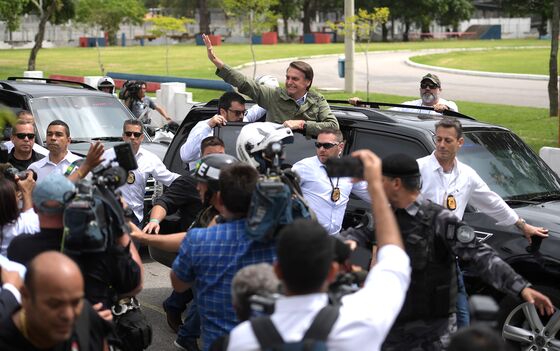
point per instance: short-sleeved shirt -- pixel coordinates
(44, 166)
(210, 257)
(139, 106)
(22, 165)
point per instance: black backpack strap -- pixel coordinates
(322, 323)
(266, 333)
(82, 326)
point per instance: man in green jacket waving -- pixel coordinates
(294, 106)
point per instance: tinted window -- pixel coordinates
(87, 116)
(384, 144)
(507, 165)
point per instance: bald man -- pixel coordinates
(53, 313)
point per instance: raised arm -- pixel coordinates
(211, 55)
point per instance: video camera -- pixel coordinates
(130, 89)
(93, 215)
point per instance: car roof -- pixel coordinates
(53, 87)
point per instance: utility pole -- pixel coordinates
(349, 37)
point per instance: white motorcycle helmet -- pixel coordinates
(268, 80)
(255, 137)
(106, 84)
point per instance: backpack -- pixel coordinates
(276, 201)
(314, 339)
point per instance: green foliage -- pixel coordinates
(363, 24)
(11, 11)
(255, 14)
(452, 12)
(109, 14)
(164, 26)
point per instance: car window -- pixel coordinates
(384, 144)
(507, 165)
(87, 116)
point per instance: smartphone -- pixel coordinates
(125, 157)
(361, 257)
(346, 166)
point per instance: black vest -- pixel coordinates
(433, 287)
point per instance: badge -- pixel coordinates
(335, 194)
(451, 203)
(131, 178)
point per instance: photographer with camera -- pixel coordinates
(305, 266)
(433, 237)
(327, 196)
(13, 219)
(111, 271)
(140, 104)
(209, 257)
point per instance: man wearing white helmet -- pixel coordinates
(106, 85)
(254, 139)
(295, 105)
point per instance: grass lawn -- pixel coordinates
(527, 61)
(189, 60)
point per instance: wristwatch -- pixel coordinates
(520, 223)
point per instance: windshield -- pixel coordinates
(507, 165)
(87, 116)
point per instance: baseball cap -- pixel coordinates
(432, 78)
(52, 188)
(399, 165)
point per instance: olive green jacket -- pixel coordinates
(279, 106)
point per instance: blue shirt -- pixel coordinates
(210, 257)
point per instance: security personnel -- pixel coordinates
(148, 164)
(433, 238)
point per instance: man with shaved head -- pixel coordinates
(54, 314)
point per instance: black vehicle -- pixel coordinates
(90, 114)
(501, 158)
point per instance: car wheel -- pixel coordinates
(525, 329)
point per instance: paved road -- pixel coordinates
(390, 74)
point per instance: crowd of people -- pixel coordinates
(242, 291)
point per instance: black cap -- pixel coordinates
(400, 165)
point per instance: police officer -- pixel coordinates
(433, 238)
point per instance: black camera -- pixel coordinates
(93, 214)
(346, 166)
(262, 304)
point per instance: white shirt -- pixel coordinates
(135, 188)
(36, 147)
(190, 151)
(44, 166)
(452, 106)
(26, 223)
(466, 186)
(317, 190)
(365, 317)
(12, 266)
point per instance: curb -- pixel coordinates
(478, 73)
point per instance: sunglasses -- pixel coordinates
(136, 134)
(326, 146)
(426, 85)
(237, 113)
(25, 135)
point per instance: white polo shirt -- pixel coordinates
(44, 166)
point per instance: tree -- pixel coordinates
(256, 15)
(452, 12)
(109, 14)
(553, 61)
(542, 8)
(363, 25)
(166, 26)
(44, 16)
(10, 12)
(288, 9)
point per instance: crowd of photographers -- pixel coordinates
(259, 259)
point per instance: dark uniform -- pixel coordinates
(433, 237)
